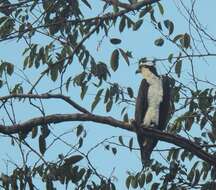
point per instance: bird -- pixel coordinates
(152, 106)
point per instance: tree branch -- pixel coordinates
(46, 96)
(163, 136)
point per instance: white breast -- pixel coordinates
(155, 96)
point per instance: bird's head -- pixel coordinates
(147, 68)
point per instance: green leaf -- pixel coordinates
(114, 150)
(169, 25)
(115, 41)
(170, 57)
(45, 131)
(144, 11)
(79, 130)
(80, 142)
(107, 147)
(73, 160)
(107, 96)
(177, 37)
(197, 177)
(109, 106)
(42, 144)
(141, 180)
(86, 3)
(54, 72)
(211, 137)
(123, 110)
(134, 182)
(131, 144)
(122, 24)
(83, 91)
(178, 67)
(186, 40)
(191, 175)
(155, 186)
(97, 99)
(184, 155)
(121, 140)
(137, 25)
(128, 181)
(125, 56)
(10, 68)
(34, 132)
(1, 83)
(125, 118)
(160, 8)
(114, 61)
(130, 92)
(159, 42)
(159, 25)
(149, 178)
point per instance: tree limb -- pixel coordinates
(163, 136)
(46, 96)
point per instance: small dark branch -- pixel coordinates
(154, 133)
(46, 96)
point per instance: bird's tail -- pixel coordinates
(146, 145)
(146, 149)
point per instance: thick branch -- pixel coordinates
(163, 136)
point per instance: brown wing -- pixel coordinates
(165, 104)
(141, 102)
(141, 108)
(140, 112)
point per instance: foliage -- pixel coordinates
(56, 52)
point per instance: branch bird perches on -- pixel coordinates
(177, 140)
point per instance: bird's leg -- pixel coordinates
(133, 123)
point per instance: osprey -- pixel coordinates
(152, 106)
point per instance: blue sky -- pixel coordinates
(141, 43)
